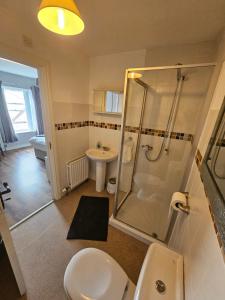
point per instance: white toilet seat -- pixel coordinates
(94, 275)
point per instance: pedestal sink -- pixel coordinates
(101, 157)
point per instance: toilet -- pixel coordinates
(92, 274)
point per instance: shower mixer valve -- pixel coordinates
(147, 147)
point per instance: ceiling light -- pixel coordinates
(60, 16)
(133, 75)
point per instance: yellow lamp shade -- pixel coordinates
(60, 16)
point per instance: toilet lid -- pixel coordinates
(94, 275)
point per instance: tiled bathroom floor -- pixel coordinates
(44, 252)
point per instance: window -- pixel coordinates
(21, 108)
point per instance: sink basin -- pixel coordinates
(161, 276)
(101, 157)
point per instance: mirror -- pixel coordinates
(216, 155)
(108, 102)
(213, 173)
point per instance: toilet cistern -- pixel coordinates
(101, 156)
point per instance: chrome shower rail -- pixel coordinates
(212, 64)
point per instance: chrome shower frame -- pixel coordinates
(117, 205)
(129, 229)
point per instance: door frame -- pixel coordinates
(43, 67)
(11, 252)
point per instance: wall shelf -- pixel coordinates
(108, 113)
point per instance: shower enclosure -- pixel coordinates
(163, 114)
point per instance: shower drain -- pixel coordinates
(160, 286)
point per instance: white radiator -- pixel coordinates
(77, 171)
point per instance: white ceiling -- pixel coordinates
(18, 69)
(124, 25)
(121, 25)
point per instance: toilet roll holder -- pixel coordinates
(184, 208)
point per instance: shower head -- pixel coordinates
(134, 75)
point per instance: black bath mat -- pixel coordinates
(90, 221)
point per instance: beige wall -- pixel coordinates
(108, 72)
(70, 79)
(194, 235)
(184, 54)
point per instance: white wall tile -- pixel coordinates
(195, 238)
(194, 235)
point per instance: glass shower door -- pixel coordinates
(161, 127)
(128, 155)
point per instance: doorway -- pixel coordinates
(25, 173)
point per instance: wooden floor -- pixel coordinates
(26, 176)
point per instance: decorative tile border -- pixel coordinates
(146, 131)
(63, 126)
(163, 133)
(198, 158)
(215, 228)
(105, 125)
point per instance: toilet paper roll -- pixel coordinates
(177, 198)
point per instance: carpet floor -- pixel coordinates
(44, 252)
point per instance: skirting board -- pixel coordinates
(133, 232)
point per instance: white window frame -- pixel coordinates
(29, 108)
